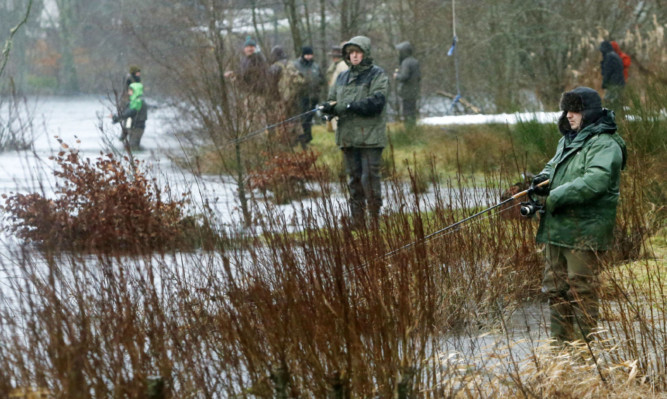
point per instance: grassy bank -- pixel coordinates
(469, 149)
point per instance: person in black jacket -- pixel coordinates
(613, 80)
(310, 94)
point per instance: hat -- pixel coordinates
(580, 99)
(249, 41)
(583, 100)
(336, 51)
(306, 50)
(134, 69)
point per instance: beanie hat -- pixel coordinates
(134, 69)
(306, 50)
(249, 41)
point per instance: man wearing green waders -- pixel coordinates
(580, 211)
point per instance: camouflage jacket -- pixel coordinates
(288, 82)
(584, 188)
(360, 94)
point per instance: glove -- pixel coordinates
(327, 108)
(114, 119)
(353, 107)
(543, 190)
(340, 108)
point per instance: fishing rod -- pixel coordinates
(268, 127)
(527, 209)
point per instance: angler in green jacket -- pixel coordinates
(580, 210)
(360, 96)
(133, 116)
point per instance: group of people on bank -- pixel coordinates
(580, 199)
(355, 106)
(297, 86)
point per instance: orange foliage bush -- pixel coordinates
(98, 205)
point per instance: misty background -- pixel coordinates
(512, 54)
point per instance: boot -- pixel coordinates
(562, 329)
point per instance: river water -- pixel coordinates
(83, 123)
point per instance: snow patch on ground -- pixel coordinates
(511, 119)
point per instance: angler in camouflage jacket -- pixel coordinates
(580, 210)
(360, 94)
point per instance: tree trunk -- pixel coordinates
(68, 80)
(240, 177)
(293, 18)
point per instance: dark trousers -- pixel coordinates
(306, 104)
(362, 166)
(410, 111)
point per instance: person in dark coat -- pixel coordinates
(252, 75)
(613, 80)
(358, 99)
(580, 211)
(253, 71)
(310, 94)
(408, 77)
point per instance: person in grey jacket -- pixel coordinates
(408, 77)
(358, 98)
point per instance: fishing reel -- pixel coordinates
(531, 207)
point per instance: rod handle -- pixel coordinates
(524, 192)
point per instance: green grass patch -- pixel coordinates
(471, 150)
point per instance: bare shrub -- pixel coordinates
(98, 205)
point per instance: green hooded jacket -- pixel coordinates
(584, 187)
(361, 95)
(137, 97)
(136, 108)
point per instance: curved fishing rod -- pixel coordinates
(460, 222)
